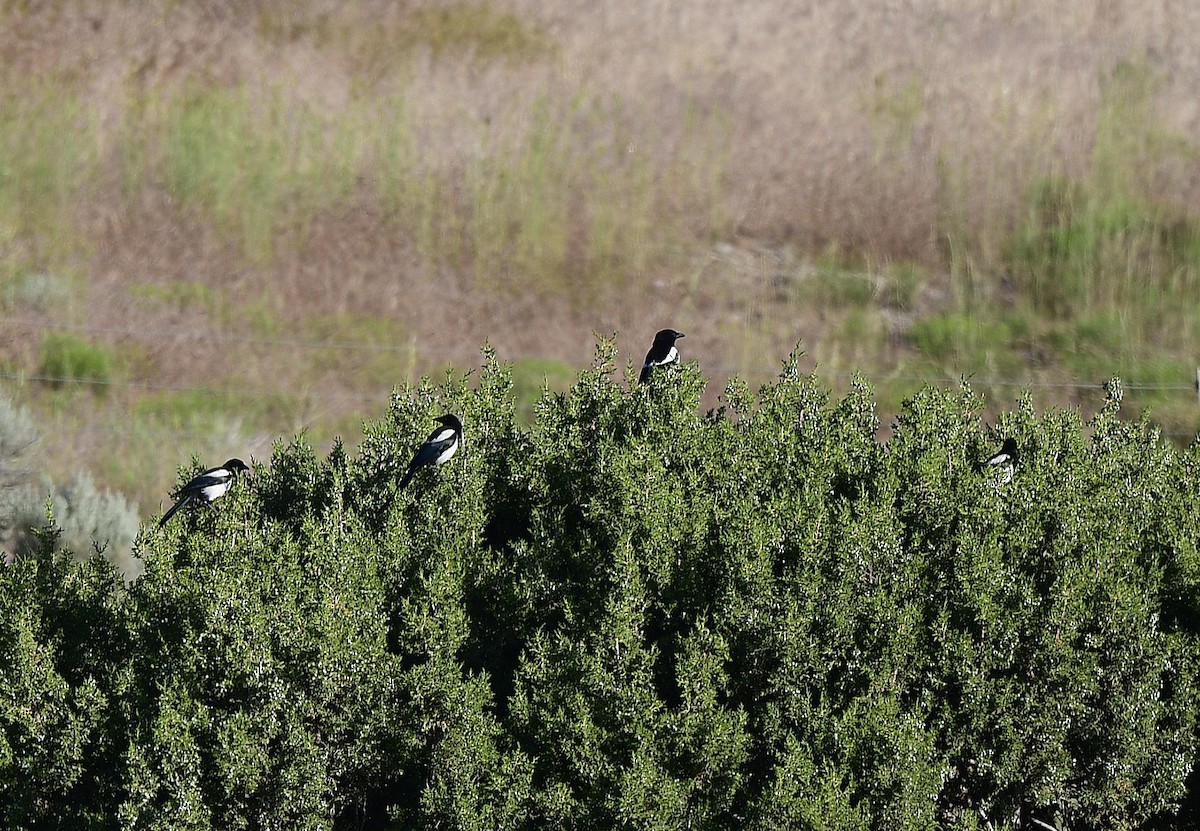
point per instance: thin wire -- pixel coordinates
(979, 382)
(393, 347)
(164, 335)
(1081, 385)
(252, 392)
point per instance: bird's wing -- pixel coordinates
(438, 444)
(211, 478)
(443, 436)
(426, 455)
(218, 476)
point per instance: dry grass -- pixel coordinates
(530, 172)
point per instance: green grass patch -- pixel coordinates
(862, 331)
(1088, 345)
(199, 412)
(953, 336)
(68, 359)
(1103, 242)
(345, 327)
(1079, 252)
(838, 288)
(954, 343)
(259, 167)
(834, 280)
(903, 284)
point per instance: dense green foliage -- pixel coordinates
(633, 615)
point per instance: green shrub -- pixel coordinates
(635, 614)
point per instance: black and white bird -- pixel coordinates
(210, 485)
(663, 352)
(438, 449)
(1005, 461)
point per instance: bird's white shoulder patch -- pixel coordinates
(672, 356)
(447, 454)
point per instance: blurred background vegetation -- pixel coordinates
(226, 222)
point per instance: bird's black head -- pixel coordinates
(235, 466)
(667, 336)
(1010, 447)
(450, 421)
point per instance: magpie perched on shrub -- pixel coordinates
(438, 449)
(661, 353)
(1005, 461)
(210, 485)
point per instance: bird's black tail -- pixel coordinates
(407, 478)
(185, 500)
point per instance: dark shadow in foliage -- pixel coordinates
(508, 521)
(396, 630)
(511, 506)
(666, 677)
(374, 811)
(1189, 809)
(495, 650)
(499, 618)
(1180, 604)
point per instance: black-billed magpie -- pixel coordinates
(661, 353)
(1006, 461)
(438, 449)
(207, 486)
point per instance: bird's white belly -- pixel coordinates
(208, 494)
